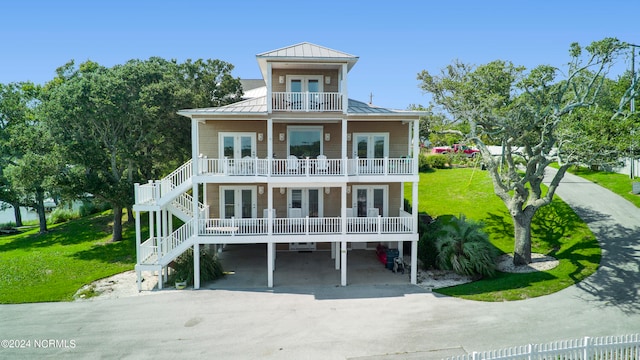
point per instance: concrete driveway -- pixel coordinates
(354, 322)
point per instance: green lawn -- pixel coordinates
(557, 231)
(53, 266)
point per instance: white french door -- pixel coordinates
(305, 202)
(304, 91)
(371, 145)
(370, 200)
(238, 202)
(237, 145)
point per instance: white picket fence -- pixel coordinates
(625, 347)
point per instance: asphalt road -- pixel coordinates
(353, 322)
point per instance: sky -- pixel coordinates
(394, 40)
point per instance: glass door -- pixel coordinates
(238, 202)
(238, 149)
(304, 91)
(370, 201)
(305, 202)
(371, 149)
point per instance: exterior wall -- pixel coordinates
(398, 135)
(208, 135)
(332, 201)
(333, 87)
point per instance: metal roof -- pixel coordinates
(258, 106)
(304, 52)
(307, 50)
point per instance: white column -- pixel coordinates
(269, 141)
(269, 88)
(195, 146)
(270, 260)
(400, 249)
(344, 91)
(138, 237)
(343, 153)
(414, 243)
(343, 267)
(138, 242)
(414, 262)
(416, 145)
(196, 266)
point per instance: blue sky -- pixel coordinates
(394, 39)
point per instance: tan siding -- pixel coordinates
(208, 135)
(332, 87)
(398, 135)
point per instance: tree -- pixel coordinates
(533, 117)
(117, 126)
(27, 152)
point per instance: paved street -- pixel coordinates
(354, 322)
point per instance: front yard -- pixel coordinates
(557, 231)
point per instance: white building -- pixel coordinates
(297, 165)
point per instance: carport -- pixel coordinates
(246, 265)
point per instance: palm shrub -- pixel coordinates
(464, 247)
(210, 267)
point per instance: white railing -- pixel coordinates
(145, 193)
(154, 190)
(307, 101)
(233, 227)
(176, 178)
(380, 166)
(175, 239)
(306, 167)
(147, 251)
(306, 226)
(609, 347)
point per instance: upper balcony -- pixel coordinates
(307, 101)
(294, 167)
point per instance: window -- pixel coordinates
(305, 141)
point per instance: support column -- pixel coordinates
(270, 260)
(414, 262)
(343, 267)
(196, 266)
(138, 242)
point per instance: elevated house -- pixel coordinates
(295, 166)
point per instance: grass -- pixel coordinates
(556, 231)
(53, 266)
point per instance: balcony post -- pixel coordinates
(270, 262)
(343, 262)
(343, 154)
(196, 266)
(343, 90)
(416, 146)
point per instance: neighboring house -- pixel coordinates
(295, 166)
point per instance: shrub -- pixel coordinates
(92, 207)
(429, 231)
(423, 165)
(210, 267)
(437, 161)
(60, 215)
(464, 248)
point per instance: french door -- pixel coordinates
(238, 149)
(238, 202)
(302, 203)
(304, 91)
(371, 145)
(370, 200)
(305, 202)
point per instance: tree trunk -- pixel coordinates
(130, 218)
(117, 223)
(522, 232)
(17, 213)
(42, 217)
